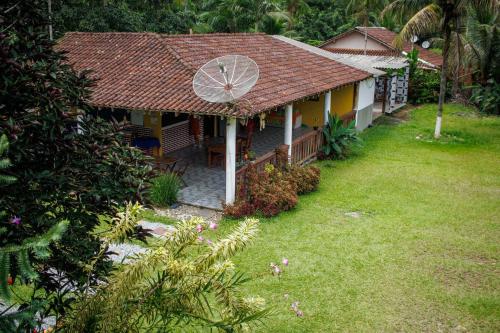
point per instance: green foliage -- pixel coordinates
(181, 283)
(61, 174)
(424, 86)
(272, 190)
(487, 98)
(338, 138)
(164, 189)
(5, 162)
(306, 179)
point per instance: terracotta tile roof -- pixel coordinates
(386, 37)
(147, 71)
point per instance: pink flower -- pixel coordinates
(275, 269)
(16, 220)
(213, 226)
(200, 239)
(285, 261)
(199, 228)
(209, 241)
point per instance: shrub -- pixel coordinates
(305, 179)
(487, 98)
(272, 191)
(164, 189)
(424, 86)
(267, 192)
(339, 137)
(61, 175)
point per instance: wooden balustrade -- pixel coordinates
(304, 149)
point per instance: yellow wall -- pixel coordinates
(153, 121)
(342, 100)
(312, 111)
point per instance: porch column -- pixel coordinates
(289, 128)
(230, 160)
(327, 106)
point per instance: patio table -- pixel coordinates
(217, 149)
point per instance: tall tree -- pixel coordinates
(61, 174)
(433, 17)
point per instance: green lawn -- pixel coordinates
(423, 256)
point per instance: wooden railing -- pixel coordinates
(307, 146)
(259, 164)
(304, 149)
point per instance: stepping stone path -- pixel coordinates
(160, 230)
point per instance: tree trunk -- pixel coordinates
(444, 69)
(455, 90)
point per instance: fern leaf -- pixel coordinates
(24, 264)
(4, 275)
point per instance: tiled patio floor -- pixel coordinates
(206, 187)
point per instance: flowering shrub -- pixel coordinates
(305, 179)
(272, 191)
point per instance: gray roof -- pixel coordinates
(370, 64)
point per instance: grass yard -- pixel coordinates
(424, 253)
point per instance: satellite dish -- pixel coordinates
(225, 79)
(426, 44)
(414, 39)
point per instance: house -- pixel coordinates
(372, 47)
(146, 79)
(378, 41)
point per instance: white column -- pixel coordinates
(230, 160)
(327, 106)
(289, 128)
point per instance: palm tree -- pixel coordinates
(482, 43)
(364, 11)
(434, 17)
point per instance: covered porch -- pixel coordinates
(205, 185)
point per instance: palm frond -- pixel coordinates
(425, 21)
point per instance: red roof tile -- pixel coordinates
(387, 37)
(147, 71)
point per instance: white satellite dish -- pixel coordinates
(225, 79)
(414, 39)
(426, 44)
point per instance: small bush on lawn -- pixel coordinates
(339, 138)
(164, 190)
(272, 191)
(306, 179)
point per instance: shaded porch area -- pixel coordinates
(206, 186)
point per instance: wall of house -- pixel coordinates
(355, 40)
(341, 105)
(342, 101)
(312, 111)
(366, 93)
